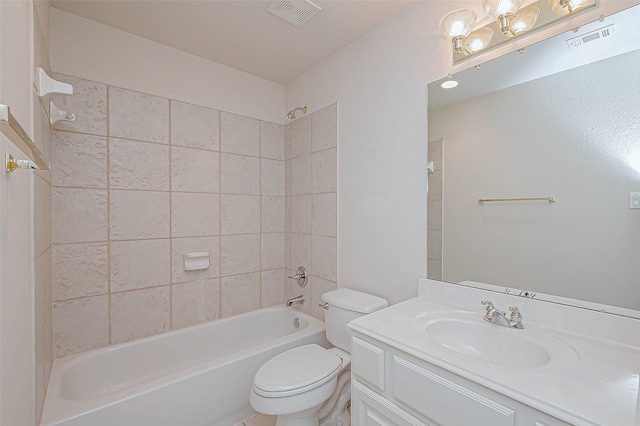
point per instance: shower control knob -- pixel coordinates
(301, 276)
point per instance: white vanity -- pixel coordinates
(434, 360)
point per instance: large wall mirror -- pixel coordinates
(562, 120)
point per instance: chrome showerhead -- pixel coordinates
(292, 114)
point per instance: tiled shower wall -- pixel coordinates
(139, 180)
(311, 204)
(434, 211)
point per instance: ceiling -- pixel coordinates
(240, 33)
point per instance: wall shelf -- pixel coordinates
(14, 131)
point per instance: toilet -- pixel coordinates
(295, 385)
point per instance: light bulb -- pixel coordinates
(524, 20)
(565, 7)
(457, 25)
(502, 11)
(479, 40)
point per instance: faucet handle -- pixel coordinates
(488, 304)
(515, 312)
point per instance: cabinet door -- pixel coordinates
(371, 409)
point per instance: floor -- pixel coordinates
(258, 420)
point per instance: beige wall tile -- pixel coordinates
(272, 288)
(180, 246)
(240, 254)
(436, 154)
(301, 137)
(434, 269)
(88, 103)
(434, 215)
(195, 126)
(434, 245)
(239, 174)
(324, 128)
(287, 177)
(240, 214)
(135, 115)
(287, 141)
(301, 214)
(324, 214)
(138, 165)
(301, 175)
(195, 302)
(435, 185)
(239, 135)
(80, 270)
(318, 288)
(79, 160)
(139, 313)
(80, 325)
(271, 140)
(80, 215)
(272, 251)
(325, 171)
(42, 215)
(272, 177)
(300, 251)
(194, 170)
(323, 257)
(139, 215)
(139, 264)
(240, 293)
(195, 215)
(272, 214)
(287, 251)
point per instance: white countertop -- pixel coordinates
(598, 387)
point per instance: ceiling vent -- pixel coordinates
(295, 12)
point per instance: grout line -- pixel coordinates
(108, 189)
(170, 173)
(219, 216)
(260, 292)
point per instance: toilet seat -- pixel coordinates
(296, 371)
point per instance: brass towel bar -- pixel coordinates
(550, 199)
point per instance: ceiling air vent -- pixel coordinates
(583, 39)
(296, 12)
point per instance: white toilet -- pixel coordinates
(295, 384)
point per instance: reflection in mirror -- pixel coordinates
(561, 120)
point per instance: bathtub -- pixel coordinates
(197, 376)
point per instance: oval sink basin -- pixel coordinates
(469, 335)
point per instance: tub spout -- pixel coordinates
(298, 300)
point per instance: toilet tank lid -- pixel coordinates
(354, 300)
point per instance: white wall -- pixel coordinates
(93, 51)
(380, 82)
(17, 396)
(570, 135)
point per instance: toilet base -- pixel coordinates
(304, 418)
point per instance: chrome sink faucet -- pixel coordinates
(494, 316)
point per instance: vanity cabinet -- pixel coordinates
(391, 387)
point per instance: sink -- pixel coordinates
(467, 334)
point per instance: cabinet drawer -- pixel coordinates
(367, 362)
(370, 409)
(441, 400)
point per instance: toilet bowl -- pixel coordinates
(295, 384)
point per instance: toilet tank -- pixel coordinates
(345, 305)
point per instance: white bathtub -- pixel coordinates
(197, 376)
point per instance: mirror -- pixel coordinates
(560, 120)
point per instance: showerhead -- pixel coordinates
(292, 114)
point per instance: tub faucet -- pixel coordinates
(298, 300)
(494, 316)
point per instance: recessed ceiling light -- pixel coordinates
(448, 84)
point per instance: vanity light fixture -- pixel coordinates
(509, 20)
